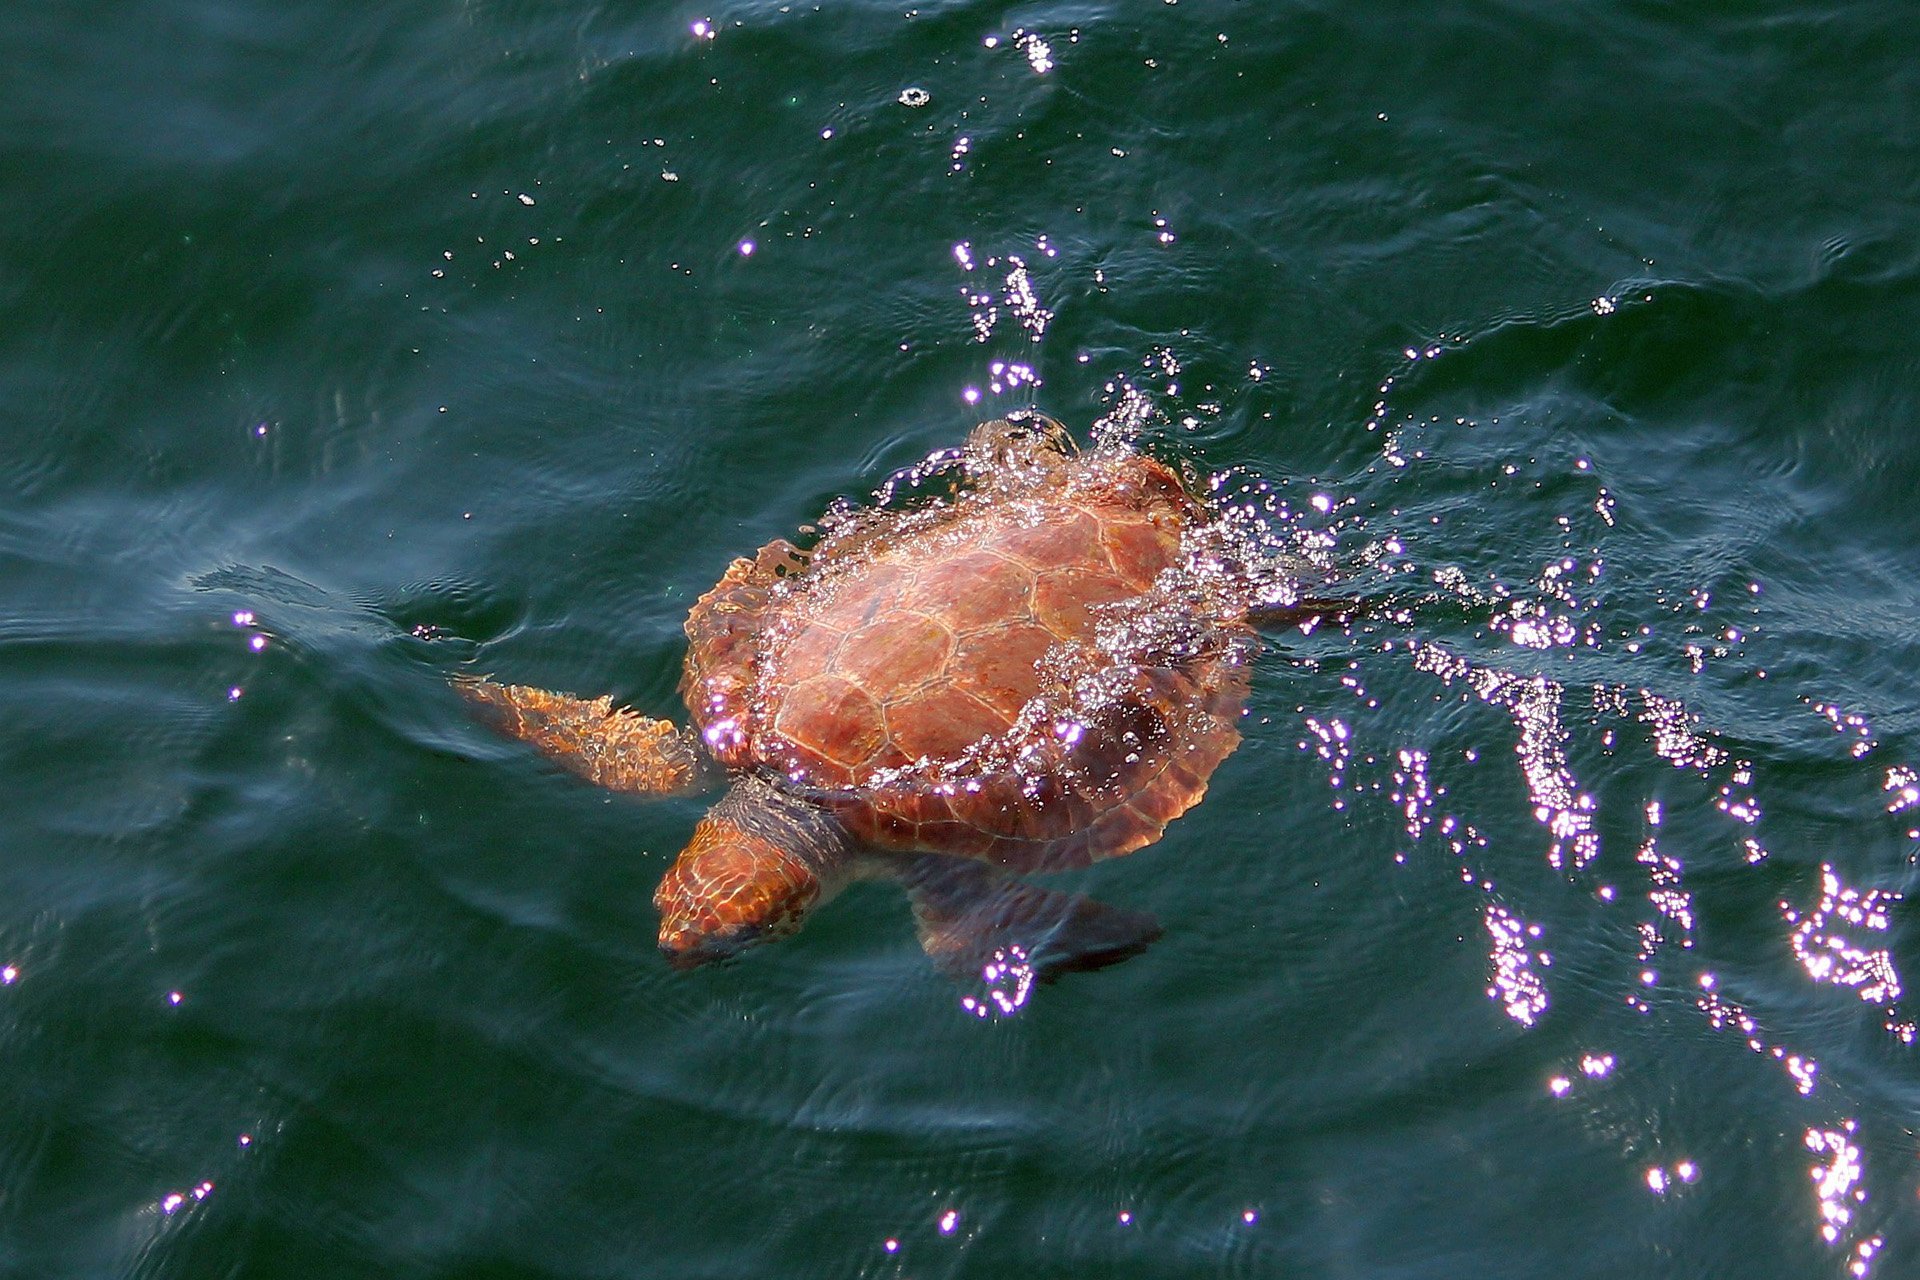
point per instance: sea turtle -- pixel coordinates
(1025, 676)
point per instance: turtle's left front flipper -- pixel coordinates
(972, 916)
(608, 745)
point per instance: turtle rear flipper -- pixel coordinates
(1306, 613)
(971, 916)
(608, 745)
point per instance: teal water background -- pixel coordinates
(343, 347)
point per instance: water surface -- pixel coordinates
(1557, 927)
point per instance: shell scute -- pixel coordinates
(812, 651)
(1064, 599)
(997, 664)
(953, 836)
(860, 598)
(939, 678)
(1124, 829)
(1139, 548)
(1024, 809)
(831, 721)
(894, 654)
(941, 722)
(1070, 536)
(973, 591)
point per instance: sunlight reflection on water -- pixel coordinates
(1567, 607)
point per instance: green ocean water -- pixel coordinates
(1557, 927)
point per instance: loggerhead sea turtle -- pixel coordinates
(1015, 679)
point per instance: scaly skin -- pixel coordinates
(758, 863)
(607, 745)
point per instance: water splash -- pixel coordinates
(1515, 982)
(1829, 953)
(1016, 292)
(1533, 702)
(1543, 628)
(1007, 983)
(1540, 631)
(1672, 904)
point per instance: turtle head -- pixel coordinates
(754, 868)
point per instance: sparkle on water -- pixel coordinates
(1006, 982)
(1261, 547)
(1264, 545)
(1269, 543)
(1546, 724)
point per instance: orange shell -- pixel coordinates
(872, 681)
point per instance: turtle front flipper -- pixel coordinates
(605, 744)
(972, 918)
